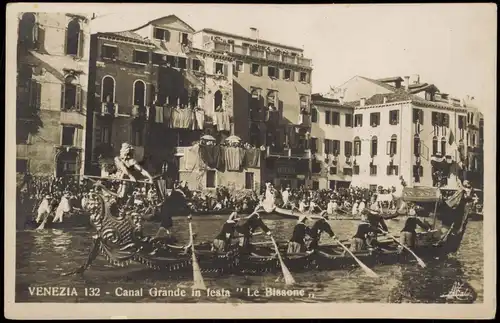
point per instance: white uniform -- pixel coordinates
(62, 208)
(361, 206)
(43, 210)
(330, 208)
(285, 195)
(355, 209)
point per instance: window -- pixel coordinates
(105, 136)
(375, 119)
(336, 118)
(347, 171)
(373, 187)
(355, 169)
(238, 66)
(184, 39)
(139, 93)
(161, 34)
(335, 147)
(272, 100)
(473, 143)
(461, 122)
(70, 94)
(374, 146)
(443, 146)
(256, 69)
(347, 148)
(333, 170)
(218, 100)
(304, 104)
(108, 89)
(446, 119)
(288, 75)
(314, 145)
(181, 63)
(393, 146)
(418, 171)
(434, 145)
(315, 185)
(373, 170)
(434, 118)
(272, 72)
(303, 77)
(418, 116)
(22, 134)
(314, 115)
(210, 183)
(393, 117)
(249, 181)
(74, 38)
(68, 136)
(328, 146)
(348, 120)
(328, 117)
(137, 134)
(110, 52)
(219, 68)
(196, 65)
(171, 61)
(358, 120)
(392, 170)
(416, 145)
(331, 185)
(357, 146)
(141, 57)
(158, 59)
(28, 31)
(21, 165)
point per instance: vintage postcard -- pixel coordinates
(250, 161)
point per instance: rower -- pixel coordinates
(297, 242)
(44, 209)
(408, 234)
(247, 226)
(319, 227)
(223, 240)
(377, 222)
(362, 239)
(331, 206)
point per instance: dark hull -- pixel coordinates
(262, 258)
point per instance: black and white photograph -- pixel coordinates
(255, 160)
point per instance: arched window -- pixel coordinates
(272, 103)
(139, 93)
(357, 146)
(73, 37)
(467, 137)
(393, 145)
(434, 145)
(70, 94)
(67, 163)
(218, 101)
(473, 143)
(193, 98)
(374, 146)
(416, 145)
(28, 31)
(443, 146)
(108, 89)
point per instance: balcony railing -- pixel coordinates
(109, 109)
(240, 50)
(257, 53)
(304, 61)
(299, 153)
(248, 51)
(289, 59)
(274, 56)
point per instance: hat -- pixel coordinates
(48, 196)
(466, 184)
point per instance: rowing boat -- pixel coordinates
(72, 220)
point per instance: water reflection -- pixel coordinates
(43, 255)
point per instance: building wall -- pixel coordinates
(49, 67)
(357, 88)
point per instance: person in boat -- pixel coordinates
(285, 195)
(331, 207)
(246, 228)
(362, 239)
(129, 168)
(377, 223)
(361, 206)
(354, 210)
(302, 206)
(297, 243)
(317, 228)
(63, 208)
(408, 233)
(313, 206)
(223, 240)
(45, 208)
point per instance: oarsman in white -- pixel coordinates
(44, 209)
(361, 206)
(63, 207)
(302, 206)
(313, 207)
(285, 196)
(354, 210)
(330, 207)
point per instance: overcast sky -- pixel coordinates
(450, 45)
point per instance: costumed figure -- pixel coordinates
(129, 168)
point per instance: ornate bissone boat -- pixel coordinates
(337, 216)
(120, 240)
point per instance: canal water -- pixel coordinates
(42, 256)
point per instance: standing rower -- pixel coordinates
(223, 240)
(408, 233)
(319, 227)
(362, 239)
(297, 243)
(246, 228)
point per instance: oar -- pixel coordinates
(42, 225)
(367, 270)
(286, 273)
(420, 261)
(198, 282)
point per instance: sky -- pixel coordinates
(450, 45)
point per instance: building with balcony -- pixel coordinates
(331, 143)
(52, 77)
(271, 92)
(410, 130)
(152, 87)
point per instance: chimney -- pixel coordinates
(407, 82)
(254, 33)
(362, 102)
